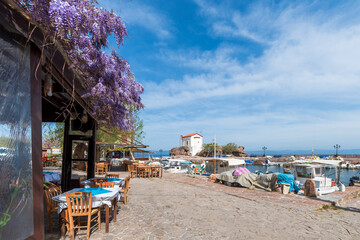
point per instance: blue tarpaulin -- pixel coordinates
(288, 179)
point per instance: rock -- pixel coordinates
(239, 152)
(179, 151)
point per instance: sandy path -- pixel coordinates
(164, 209)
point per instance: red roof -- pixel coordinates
(190, 135)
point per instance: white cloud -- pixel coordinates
(303, 89)
(140, 14)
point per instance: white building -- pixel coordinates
(194, 141)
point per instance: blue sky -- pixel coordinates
(276, 73)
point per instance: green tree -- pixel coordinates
(229, 148)
(208, 149)
(115, 135)
(53, 134)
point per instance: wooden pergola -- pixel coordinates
(133, 146)
(63, 104)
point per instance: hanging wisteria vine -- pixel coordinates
(82, 28)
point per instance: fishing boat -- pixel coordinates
(219, 165)
(287, 168)
(348, 165)
(247, 161)
(176, 165)
(318, 173)
(268, 161)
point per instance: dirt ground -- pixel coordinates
(184, 207)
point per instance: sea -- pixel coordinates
(345, 174)
(165, 153)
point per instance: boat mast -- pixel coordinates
(215, 154)
(312, 153)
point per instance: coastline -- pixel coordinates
(353, 159)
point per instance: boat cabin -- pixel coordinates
(220, 165)
(316, 172)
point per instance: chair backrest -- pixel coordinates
(105, 185)
(81, 179)
(97, 180)
(127, 183)
(100, 164)
(50, 191)
(112, 175)
(79, 203)
(131, 168)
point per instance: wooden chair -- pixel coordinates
(157, 171)
(107, 167)
(50, 191)
(97, 180)
(112, 175)
(54, 161)
(79, 205)
(153, 171)
(104, 184)
(132, 170)
(100, 168)
(147, 171)
(81, 179)
(139, 171)
(125, 191)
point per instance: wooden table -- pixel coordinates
(105, 199)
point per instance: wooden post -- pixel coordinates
(91, 155)
(36, 119)
(66, 163)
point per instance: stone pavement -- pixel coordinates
(186, 207)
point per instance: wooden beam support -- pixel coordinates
(66, 164)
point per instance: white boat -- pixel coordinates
(316, 172)
(268, 161)
(223, 164)
(348, 165)
(176, 165)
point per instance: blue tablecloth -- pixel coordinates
(95, 191)
(106, 196)
(114, 179)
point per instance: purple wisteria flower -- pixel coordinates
(82, 28)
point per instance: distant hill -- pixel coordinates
(306, 152)
(4, 141)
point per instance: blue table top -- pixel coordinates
(113, 179)
(95, 191)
